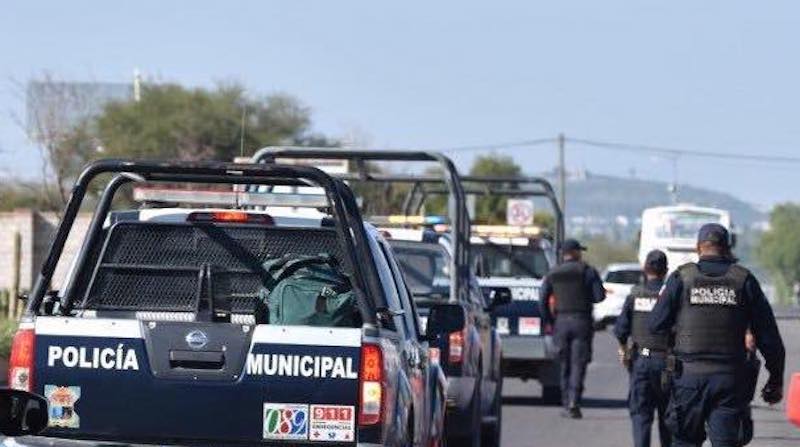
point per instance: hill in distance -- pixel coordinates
(603, 199)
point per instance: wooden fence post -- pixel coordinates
(16, 271)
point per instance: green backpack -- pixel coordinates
(308, 290)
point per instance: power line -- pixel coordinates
(508, 145)
(673, 152)
(627, 147)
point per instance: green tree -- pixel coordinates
(491, 209)
(779, 250)
(602, 252)
(173, 122)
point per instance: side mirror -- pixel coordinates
(22, 413)
(498, 296)
(444, 319)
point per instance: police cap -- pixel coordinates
(572, 245)
(714, 233)
(656, 262)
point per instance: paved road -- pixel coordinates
(527, 422)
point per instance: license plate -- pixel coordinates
(502, 326)
(530, 326)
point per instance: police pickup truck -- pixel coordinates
(159, 334)
(471, 357)
(516, 258)
(519, 262)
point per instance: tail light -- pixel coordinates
(455, 353)
(20, 365)
(371, 408)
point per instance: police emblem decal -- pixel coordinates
(61, 402)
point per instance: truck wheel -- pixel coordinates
(551, 395)
(492, 431)
(473, 438)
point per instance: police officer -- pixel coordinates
(575, 286)
(710, 305)
(648, 353)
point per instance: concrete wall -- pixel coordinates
(36, 230)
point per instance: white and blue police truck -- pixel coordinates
(519, 258)
(166, 329)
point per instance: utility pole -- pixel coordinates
(137, 85)
(562, 175)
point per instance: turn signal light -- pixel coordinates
(371, 389)
(20, 364)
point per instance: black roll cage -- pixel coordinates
(345, 212)
(496, 185)
(457, 211)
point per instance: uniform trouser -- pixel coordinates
(707, 401)
(647, 397)
(573, 337)
(752, 366)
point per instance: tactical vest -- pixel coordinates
(713, 314)
(571, 293)
(643, 302)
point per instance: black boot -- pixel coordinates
(572, 411)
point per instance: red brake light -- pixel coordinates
(371, 389)
(456, 347)
(230, 217)
(20, 365)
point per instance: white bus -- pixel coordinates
(673, 230)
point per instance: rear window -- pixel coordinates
(624, 276)
(510, 261)
(166, 267)
(425, 268)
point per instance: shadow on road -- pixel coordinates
(605, 403)
(530, 401)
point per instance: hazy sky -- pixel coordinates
(712, 75)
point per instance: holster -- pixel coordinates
(672, 370)
(631, 352)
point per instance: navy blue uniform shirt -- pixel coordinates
(762, 320)
(624, 324)
(592, 281)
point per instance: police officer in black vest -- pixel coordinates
(710, 305)
(647, 353)
(576, 286)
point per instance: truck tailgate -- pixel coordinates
(173, 382)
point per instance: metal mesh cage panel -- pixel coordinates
(156, 266)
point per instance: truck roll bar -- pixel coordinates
(496, 185)
(344, 210)
(457, 210)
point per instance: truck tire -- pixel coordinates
(472, 439)
(492, 432)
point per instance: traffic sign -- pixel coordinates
(519, 212)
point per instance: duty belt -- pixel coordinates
(710, 367)
(647, 352)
